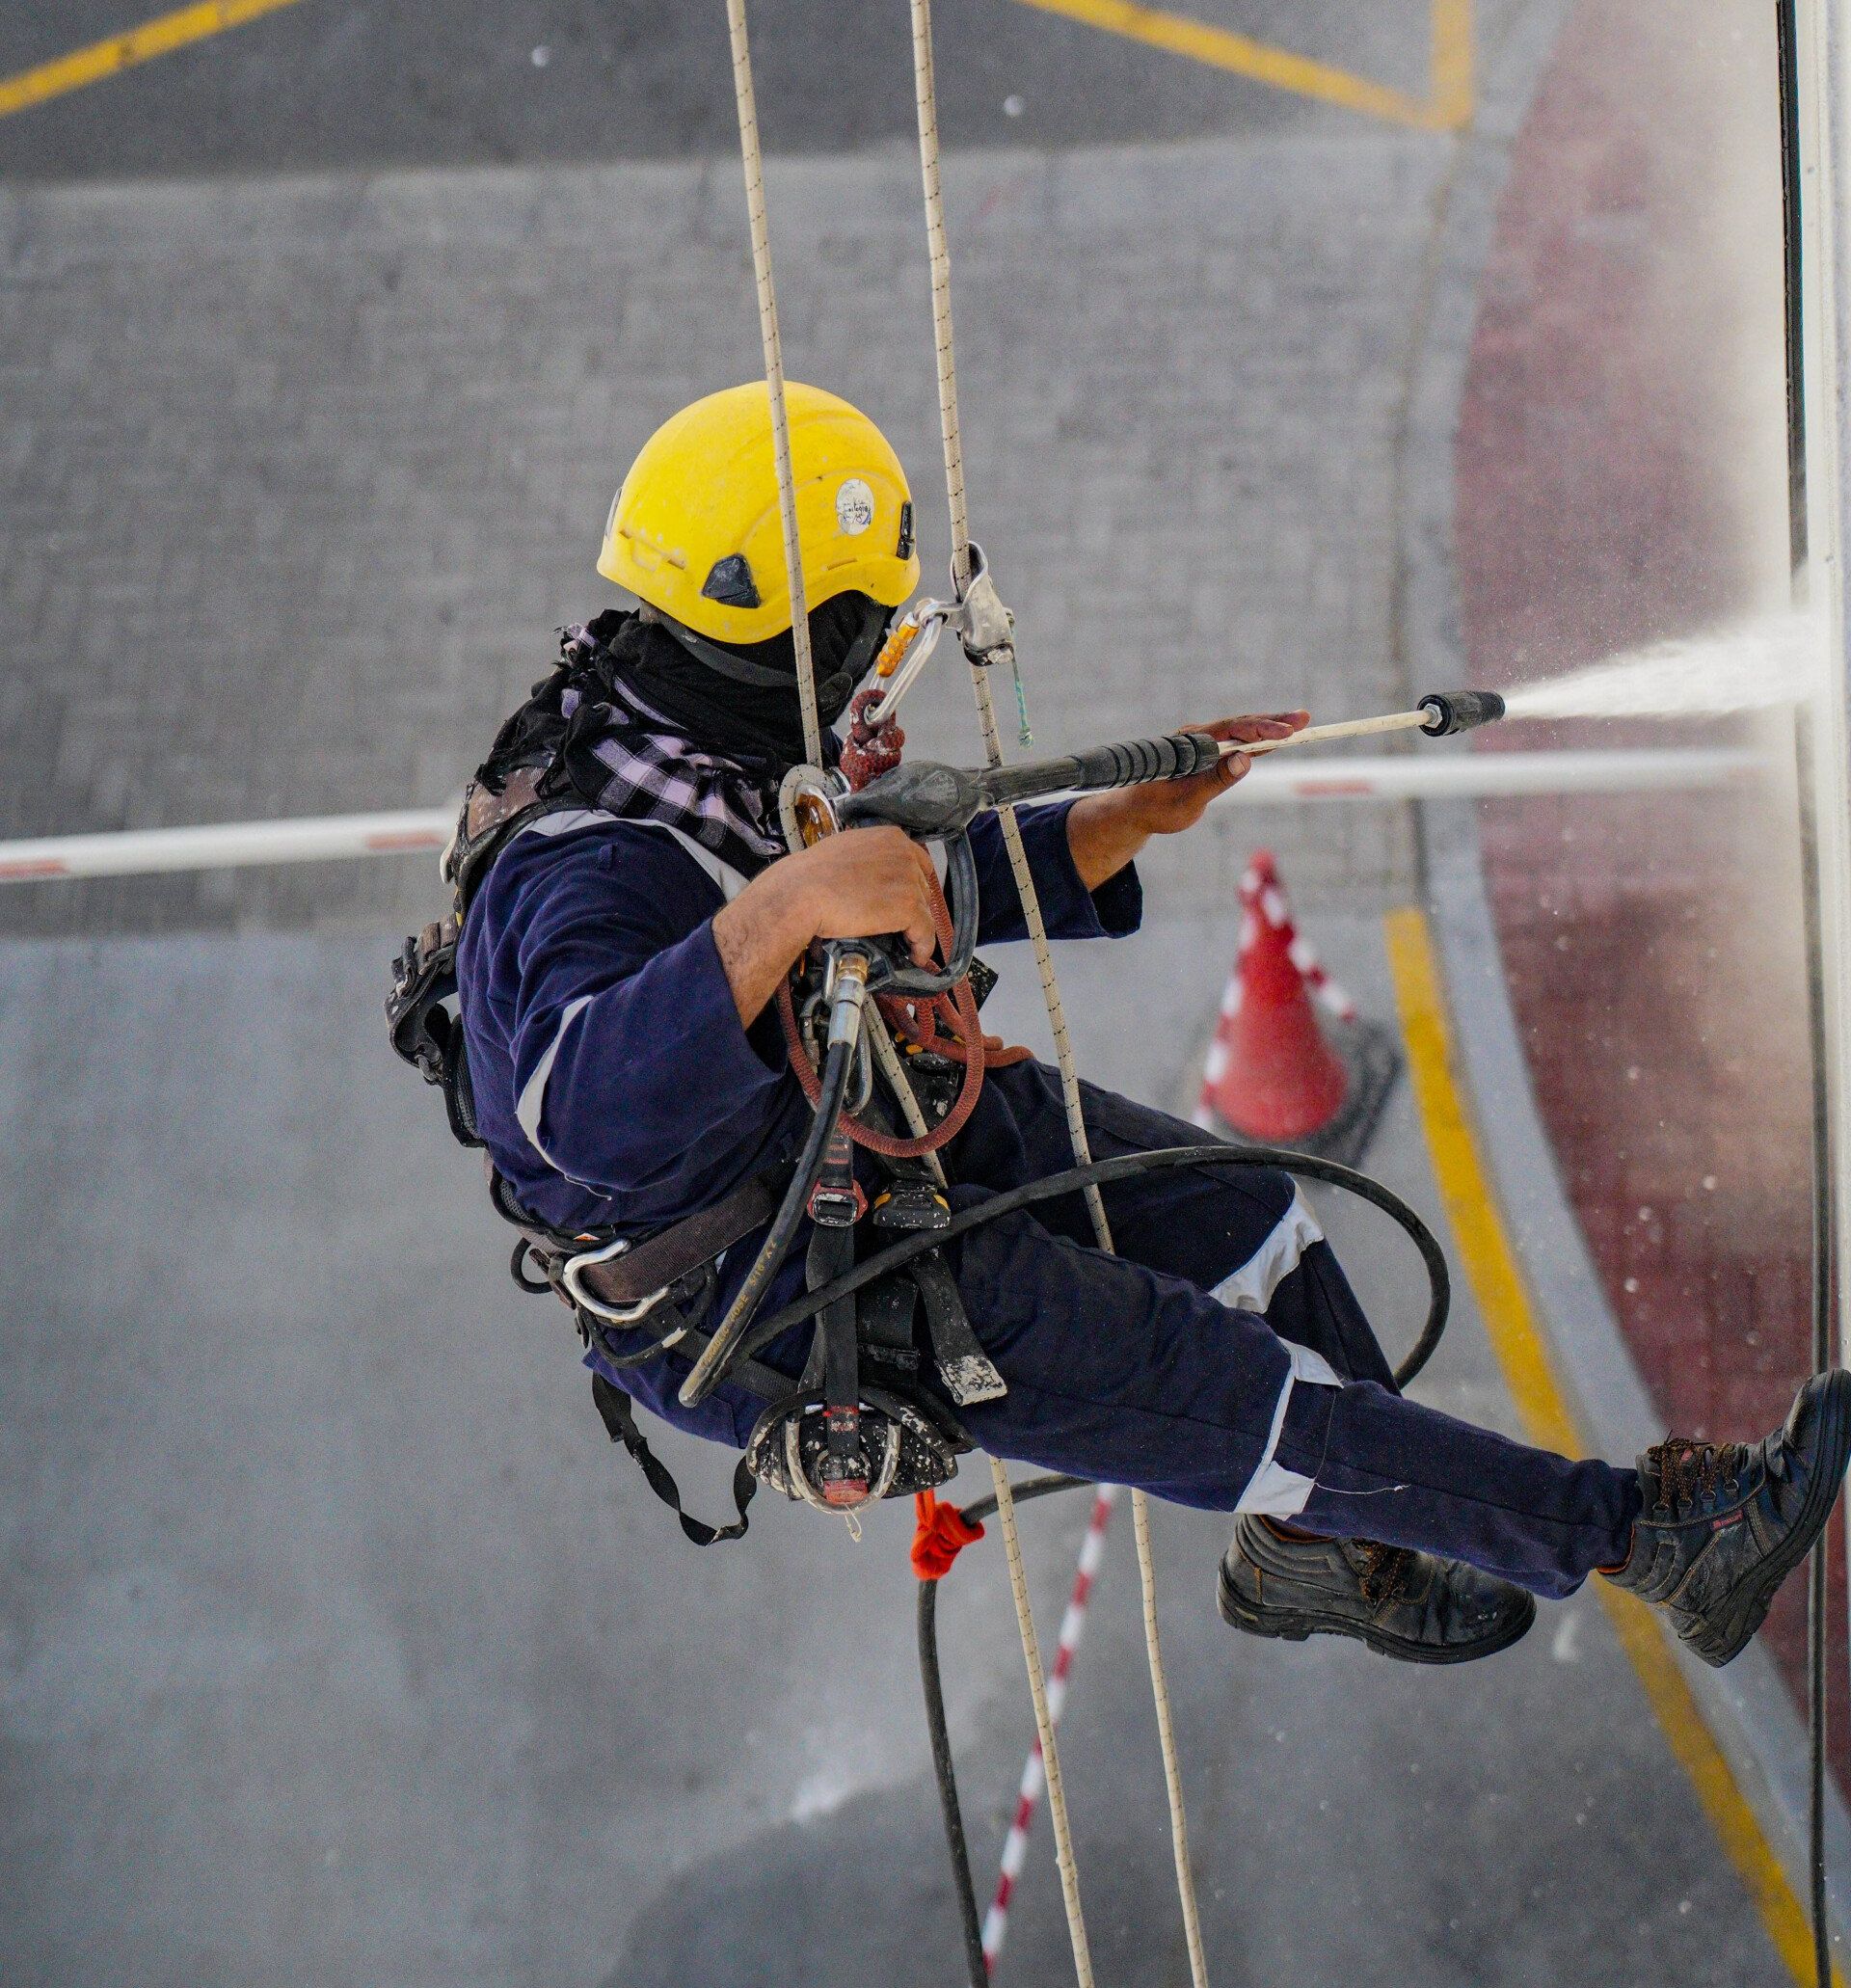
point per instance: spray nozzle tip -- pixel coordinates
(1459, 710)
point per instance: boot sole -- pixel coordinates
(1749, 1603)
(1296, 1625)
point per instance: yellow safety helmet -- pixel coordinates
(695, 533)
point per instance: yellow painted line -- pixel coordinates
(1221, 48)
(83, 67)
(1451, 79)
(1510, 1321)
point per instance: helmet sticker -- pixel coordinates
(854, 507)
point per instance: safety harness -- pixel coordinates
(857, 1426)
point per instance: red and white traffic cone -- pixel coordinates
(1270, 1074)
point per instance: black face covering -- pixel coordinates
(754, 721)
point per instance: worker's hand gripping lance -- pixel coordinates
(933, 802)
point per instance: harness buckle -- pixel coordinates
(572, 1274)
(838, 1200)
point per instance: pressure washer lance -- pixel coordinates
(1437, 714)
(931, 801)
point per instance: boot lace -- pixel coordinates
(1689, 1472)
(1385, 1572)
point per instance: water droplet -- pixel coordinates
(1014, 107)
(541, 56)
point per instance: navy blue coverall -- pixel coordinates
(1218, 1359)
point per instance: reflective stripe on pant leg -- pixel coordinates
(1273, 1490)
(1117, 1371)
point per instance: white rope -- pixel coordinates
(927, 93)
(893, 1066)
(1166, 1740)
(754, 164)
(925, 90)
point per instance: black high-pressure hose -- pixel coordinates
(1127, 1166)
(837, 1068)
(1100, 1174)
(944, 1766)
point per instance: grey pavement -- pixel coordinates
(299, 476)
(337, 1644)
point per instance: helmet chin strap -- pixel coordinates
(833, 691)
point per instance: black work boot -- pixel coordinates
(1400, 1603)
(1723, 1525)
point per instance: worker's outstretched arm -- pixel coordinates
(1105, 831)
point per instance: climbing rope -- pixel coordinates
(761, 227)
(925, 91)
(752, 160)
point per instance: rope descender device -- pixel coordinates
(975, 615)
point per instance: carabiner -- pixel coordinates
(611, 1314)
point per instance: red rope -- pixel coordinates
(945, 1023)
(961, 1018)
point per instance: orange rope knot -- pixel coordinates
(940, 1534)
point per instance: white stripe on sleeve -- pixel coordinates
(529, 1106)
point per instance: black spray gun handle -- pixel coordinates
(934, 803)
(1176, 756)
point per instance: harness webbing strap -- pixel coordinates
(666, 1258)
(613, 1405)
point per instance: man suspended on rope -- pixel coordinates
(629, 916)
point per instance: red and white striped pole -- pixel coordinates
(326, 838)
(1015, 1846)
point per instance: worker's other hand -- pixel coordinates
(1167, 807)
(863, 884)
(1105, 831)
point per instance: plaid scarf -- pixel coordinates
(629, 761)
